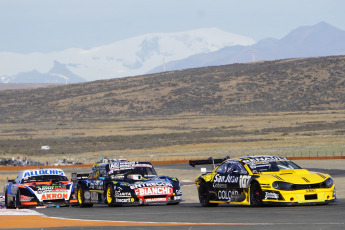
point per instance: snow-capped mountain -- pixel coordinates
(130, 57)
(321, 39)
(59, 74)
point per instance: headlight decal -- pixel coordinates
(280, 185)
(328, 183)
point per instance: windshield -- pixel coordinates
(272, 166)
(44, 178)
(143, 171)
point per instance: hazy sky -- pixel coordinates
(51, 25)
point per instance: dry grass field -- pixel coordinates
(178, 137)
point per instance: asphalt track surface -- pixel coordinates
(193, 216)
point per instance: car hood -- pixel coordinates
(153, 182)
(296, 176)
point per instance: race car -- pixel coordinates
(125, 182)
(39, 187)
(262, 180)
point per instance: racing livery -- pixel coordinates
(39, 187)
(125, 182)
(262, 180)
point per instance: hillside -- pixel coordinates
(272, 86)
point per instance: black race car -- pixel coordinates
(125, 182)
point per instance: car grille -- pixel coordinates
(61, 202)
(307, 186)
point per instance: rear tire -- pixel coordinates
(81, 199)
(204, 196)
(255, 194)
(7, 205)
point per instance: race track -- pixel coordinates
(193, 216)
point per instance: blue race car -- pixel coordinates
(39, 187)
(125, 182)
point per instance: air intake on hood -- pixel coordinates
(306, 180)
(278, 177)
(323, 177)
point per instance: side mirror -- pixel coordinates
(235, 171)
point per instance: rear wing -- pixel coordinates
(79, 176)
(207, 161)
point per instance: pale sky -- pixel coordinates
(53, 25)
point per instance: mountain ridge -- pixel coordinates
(305, 84)
(130, 57)
(318, 40)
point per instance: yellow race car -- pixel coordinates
(262, 180)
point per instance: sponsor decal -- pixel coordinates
(125, 165)
(244, 181)
(122, 200)
(150, 184)
(158, 199)
(25, 198)
(39, 172)
(271, 195)
(118, 177)
(94, 196)
(148, 191)
(52, 196)
(49, 189)
(217, 185)
(226, 194)
(250, 160)
(122, 165)
(122, 194)
(311, 190)
(225, 179)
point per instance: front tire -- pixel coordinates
(18, 200)
(255, 195)
(204, 196)
(110, 195)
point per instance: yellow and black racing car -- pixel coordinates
(262, 180)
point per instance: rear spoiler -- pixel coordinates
(208, 161)
(79, 176)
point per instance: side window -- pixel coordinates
(222, 168)
(18, 180)
(103, 173)
(236, 167)
(93, 174)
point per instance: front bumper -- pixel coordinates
(299, 197)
